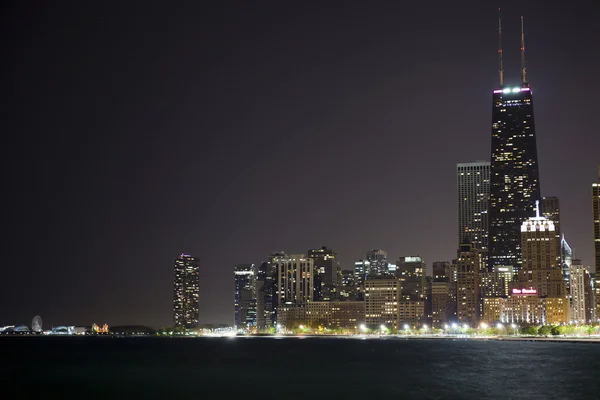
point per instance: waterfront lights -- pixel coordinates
(484, 325)
(406, 326)
(363, 327)
(499, 326)
(446, 326)
(301, 326)
(465, 326)
(454, 325)
(382, 327)
(425, 327)
(513, 326)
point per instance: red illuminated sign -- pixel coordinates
(524, 291)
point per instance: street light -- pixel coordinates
(514, 328)
(363, 327)
(500, 326)
(484, 325)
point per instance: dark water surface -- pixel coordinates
(294, 368)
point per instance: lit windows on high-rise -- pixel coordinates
(473, 189)
(245, 296)
(186, 296)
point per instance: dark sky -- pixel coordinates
(137, 131)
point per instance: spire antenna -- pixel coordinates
(500, 70)
(537, 208)
(523, 69)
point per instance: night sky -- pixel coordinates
(138, 131)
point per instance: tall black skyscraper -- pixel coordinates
(514, 177)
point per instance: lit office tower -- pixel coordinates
(244, 295)
(412, 274)
(186, 296)
(327, 274)
(294, 279)
(577, 292)
(467, 284)
(540, 270)
(411, 271)
(514, 176)
(551, 210)
(381, 302)
(378, 265)
(473, 188)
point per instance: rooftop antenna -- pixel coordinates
(500, 70)
(523, 70)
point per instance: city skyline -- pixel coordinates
(231, 143)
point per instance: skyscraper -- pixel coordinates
(467, 284)
(327, 273)
(294, 279)
(551, 210)
(411, 271)
(540, 270)
(186, 293)
(412, 274)
(473, 189)
(266, 296)
(382, 295)
(514, 176)
(244, 295)
(577, 284)
(378, 265)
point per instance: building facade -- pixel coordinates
(468, 264)
(514, 176)
(244, 296)
(442, 271)
(539, 269)
(577, 286)
(295, 273)
(266, 296)
(551, 210)
(527, 308)
(327, 274)
(186, 293)
(440, 303)
(382, 296)
(377, 263)
(411, 271)
(473, 188)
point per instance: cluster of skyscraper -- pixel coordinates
(513, 264)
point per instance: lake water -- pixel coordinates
(297, 368)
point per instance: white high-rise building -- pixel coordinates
(295, 278)
(473, 189)
(576, 275)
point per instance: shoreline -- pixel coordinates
(566, 339)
